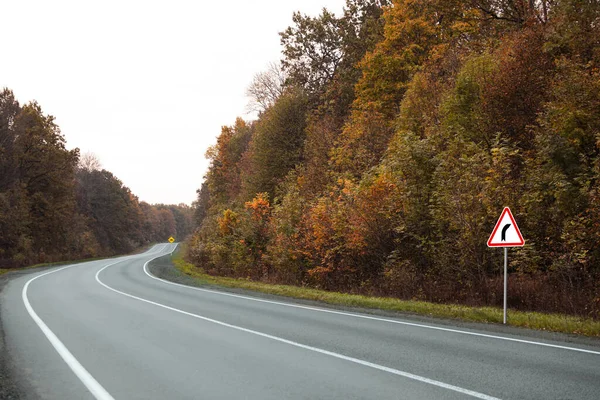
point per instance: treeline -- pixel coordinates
(55, 206)
(390, 139)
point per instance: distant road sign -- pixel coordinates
(171, 239)
(506, 233)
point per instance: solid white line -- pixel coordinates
(84, 376)
(303, 346)
(393, 321)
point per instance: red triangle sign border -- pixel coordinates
(521, 240)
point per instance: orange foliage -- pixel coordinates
(259, 207)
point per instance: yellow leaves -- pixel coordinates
(228, 222)
(469, 23)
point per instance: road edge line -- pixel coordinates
(439, 328)
(303, 346)
(79, 370)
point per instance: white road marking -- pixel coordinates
(303, 346)
(84, 376)
(373, 318)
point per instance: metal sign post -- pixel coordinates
(505, 279)
(508, 236)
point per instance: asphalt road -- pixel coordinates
(109, 329)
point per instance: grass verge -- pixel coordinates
(533, 320)
(4, 271)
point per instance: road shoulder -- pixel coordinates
(163, 268)
(11, 387)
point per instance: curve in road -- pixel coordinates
(110, 329)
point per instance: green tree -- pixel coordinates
(276, 145)
(563, 172)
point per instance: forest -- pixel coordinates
(56, 205)
(388, 140)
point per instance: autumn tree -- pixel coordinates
(9, 109)
(223, 178)
(113, 211)
(46, 175)
(55, 205)
(410, 127)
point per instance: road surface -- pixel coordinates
(109, 329)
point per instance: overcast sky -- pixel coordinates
(145, 85)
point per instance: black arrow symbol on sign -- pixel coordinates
(503, 239)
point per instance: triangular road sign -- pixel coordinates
(506, 233)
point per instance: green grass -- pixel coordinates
(532, 320)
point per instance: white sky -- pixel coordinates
(145, 85)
